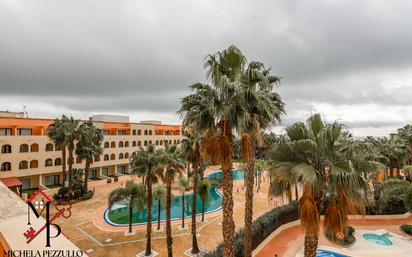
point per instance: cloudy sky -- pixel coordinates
(349, 60)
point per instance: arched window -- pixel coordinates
(106, 157)
(24, 148)
(49, 147)
(97, 158)
(34, 148)
(121, 144)
(145, 132)
(58, 162)
(112, 157)
(58, 147)
(6, 149)
(134, 132)
(170, 141)
(126, 144)
(23, 165)
(78, 160)
(34, 164)
(145, 143)
(150, 132)
(113, 144)
(106, 144)
(126, 155)
(161, 142)
(134, 143)
(174, 141)
(157, 142)
(120, 156)
(5, 166)
(139, 143)
(48, 163)
(139, 132)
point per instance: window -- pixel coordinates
(126, 144)
(34, 148)
(25, 183)
(23, 165)
(48, 163)
(139, 143)
(24, 132)
(150, 132)
(121, 144)
(58, 147)
(121, 132)
(93, 174)
(97, 158)
(126, 155)
(145, 132)
(106, 157)
(6, 149)
(170, 141)
(174, 141)
(134, 143)
(5, 131)
(34, 164)
(139, 132)
(145, 143)
(106, 144)
(5, 166)
(105, 171)
(112, 157)
(49, 147)
(121, 169)
(150, 142)
(51, 180)
(157, 142)
(24, 148)
(134, 132)
(106, 132)
(120, 156)
(161, 142)
(58, 162)
(112, 144)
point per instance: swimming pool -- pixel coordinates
(377, 239)
(119, 215)
(323, 253)
(236, 175)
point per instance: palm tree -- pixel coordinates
(174, 164)
(133, 194)
(190, 148)
(56, 133)
(329, 167)
(183, 185)
(89, 145)
(262, 109)
(396, 150)
(147, 163)
(204, 191)
(71, 133)
(214, 111)
(159, 195)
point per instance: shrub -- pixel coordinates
(88, 195)
(408, 200)
(407, 229)
(262, 227)
(391, 196)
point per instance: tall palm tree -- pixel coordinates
(133, 194)
(71, 133)
(262, 109)
(190, 148)
(147, 164)
(159, 195)
(328, 166)
(215, 111)
(89, 146)
(174, 164)
(183, 185)
(204, 192)
(56, 133)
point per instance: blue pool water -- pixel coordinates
(377, 239)
(323, 253)
(236, 175)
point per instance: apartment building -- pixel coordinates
(29, 157)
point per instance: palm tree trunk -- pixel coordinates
(158, 215)
(188, 170)
(195, 247)
(289, 193)
(86, 173)
(169, 240)
(247, 241)
(296, 192)
(183, 209)
(311, 244)
(130, 217)
(149, 218)
(203, 210)
(71, 161)
(64, 165)
(228, 224)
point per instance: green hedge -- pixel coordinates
(262, 227)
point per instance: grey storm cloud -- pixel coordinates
(124, 56)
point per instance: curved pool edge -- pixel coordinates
(109, 222)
